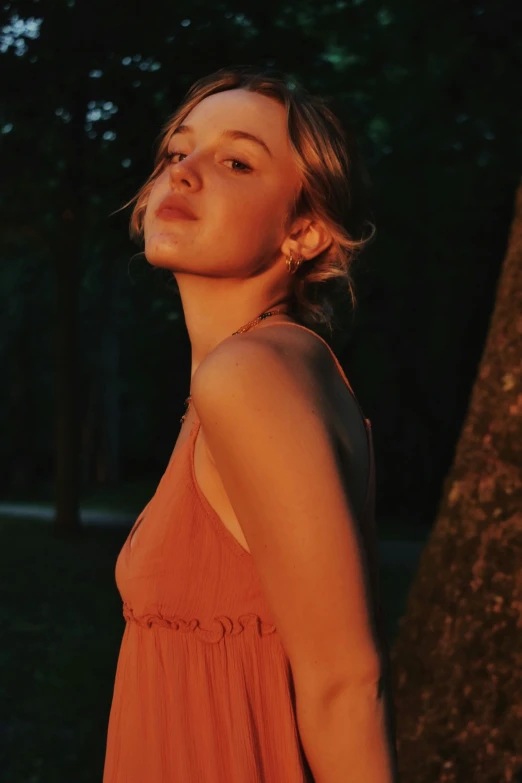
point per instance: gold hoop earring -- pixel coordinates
(290, 263)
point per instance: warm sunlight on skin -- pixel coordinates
(229, 262)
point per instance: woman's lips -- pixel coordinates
(174, 213)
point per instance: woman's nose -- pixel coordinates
(185, 173)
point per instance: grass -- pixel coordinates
(62, 620)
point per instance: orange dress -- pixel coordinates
(203, 690)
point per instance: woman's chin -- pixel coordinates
(161, 253)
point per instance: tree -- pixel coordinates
(457, 660)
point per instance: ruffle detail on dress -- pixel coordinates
(224, 626)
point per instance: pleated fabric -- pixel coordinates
(203, 690)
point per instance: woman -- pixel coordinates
(254, 647)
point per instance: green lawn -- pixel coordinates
(62, 626)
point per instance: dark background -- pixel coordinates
(432, 91)
(91, 335)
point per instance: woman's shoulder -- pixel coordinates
(293, 350)
(269, 369)
(290, 341)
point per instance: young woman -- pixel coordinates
(254, 648)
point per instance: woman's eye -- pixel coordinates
(170, 155)
(237, 165)
(240, 166)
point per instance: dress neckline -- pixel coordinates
(142, 517)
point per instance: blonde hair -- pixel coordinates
(334, 185)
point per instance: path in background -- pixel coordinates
(391, 553)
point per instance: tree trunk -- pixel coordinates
(66, 414)
(89, 430)
(107, 463)
(68, 265)
(457, 659)
(19, 433)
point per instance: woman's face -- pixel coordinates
(238, 189)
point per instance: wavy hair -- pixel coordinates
(334, 187)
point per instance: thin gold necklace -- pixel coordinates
(245, 328)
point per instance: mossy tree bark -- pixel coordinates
(457, 659)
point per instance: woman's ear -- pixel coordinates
(308, 237)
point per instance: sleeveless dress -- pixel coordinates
(203, 690)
